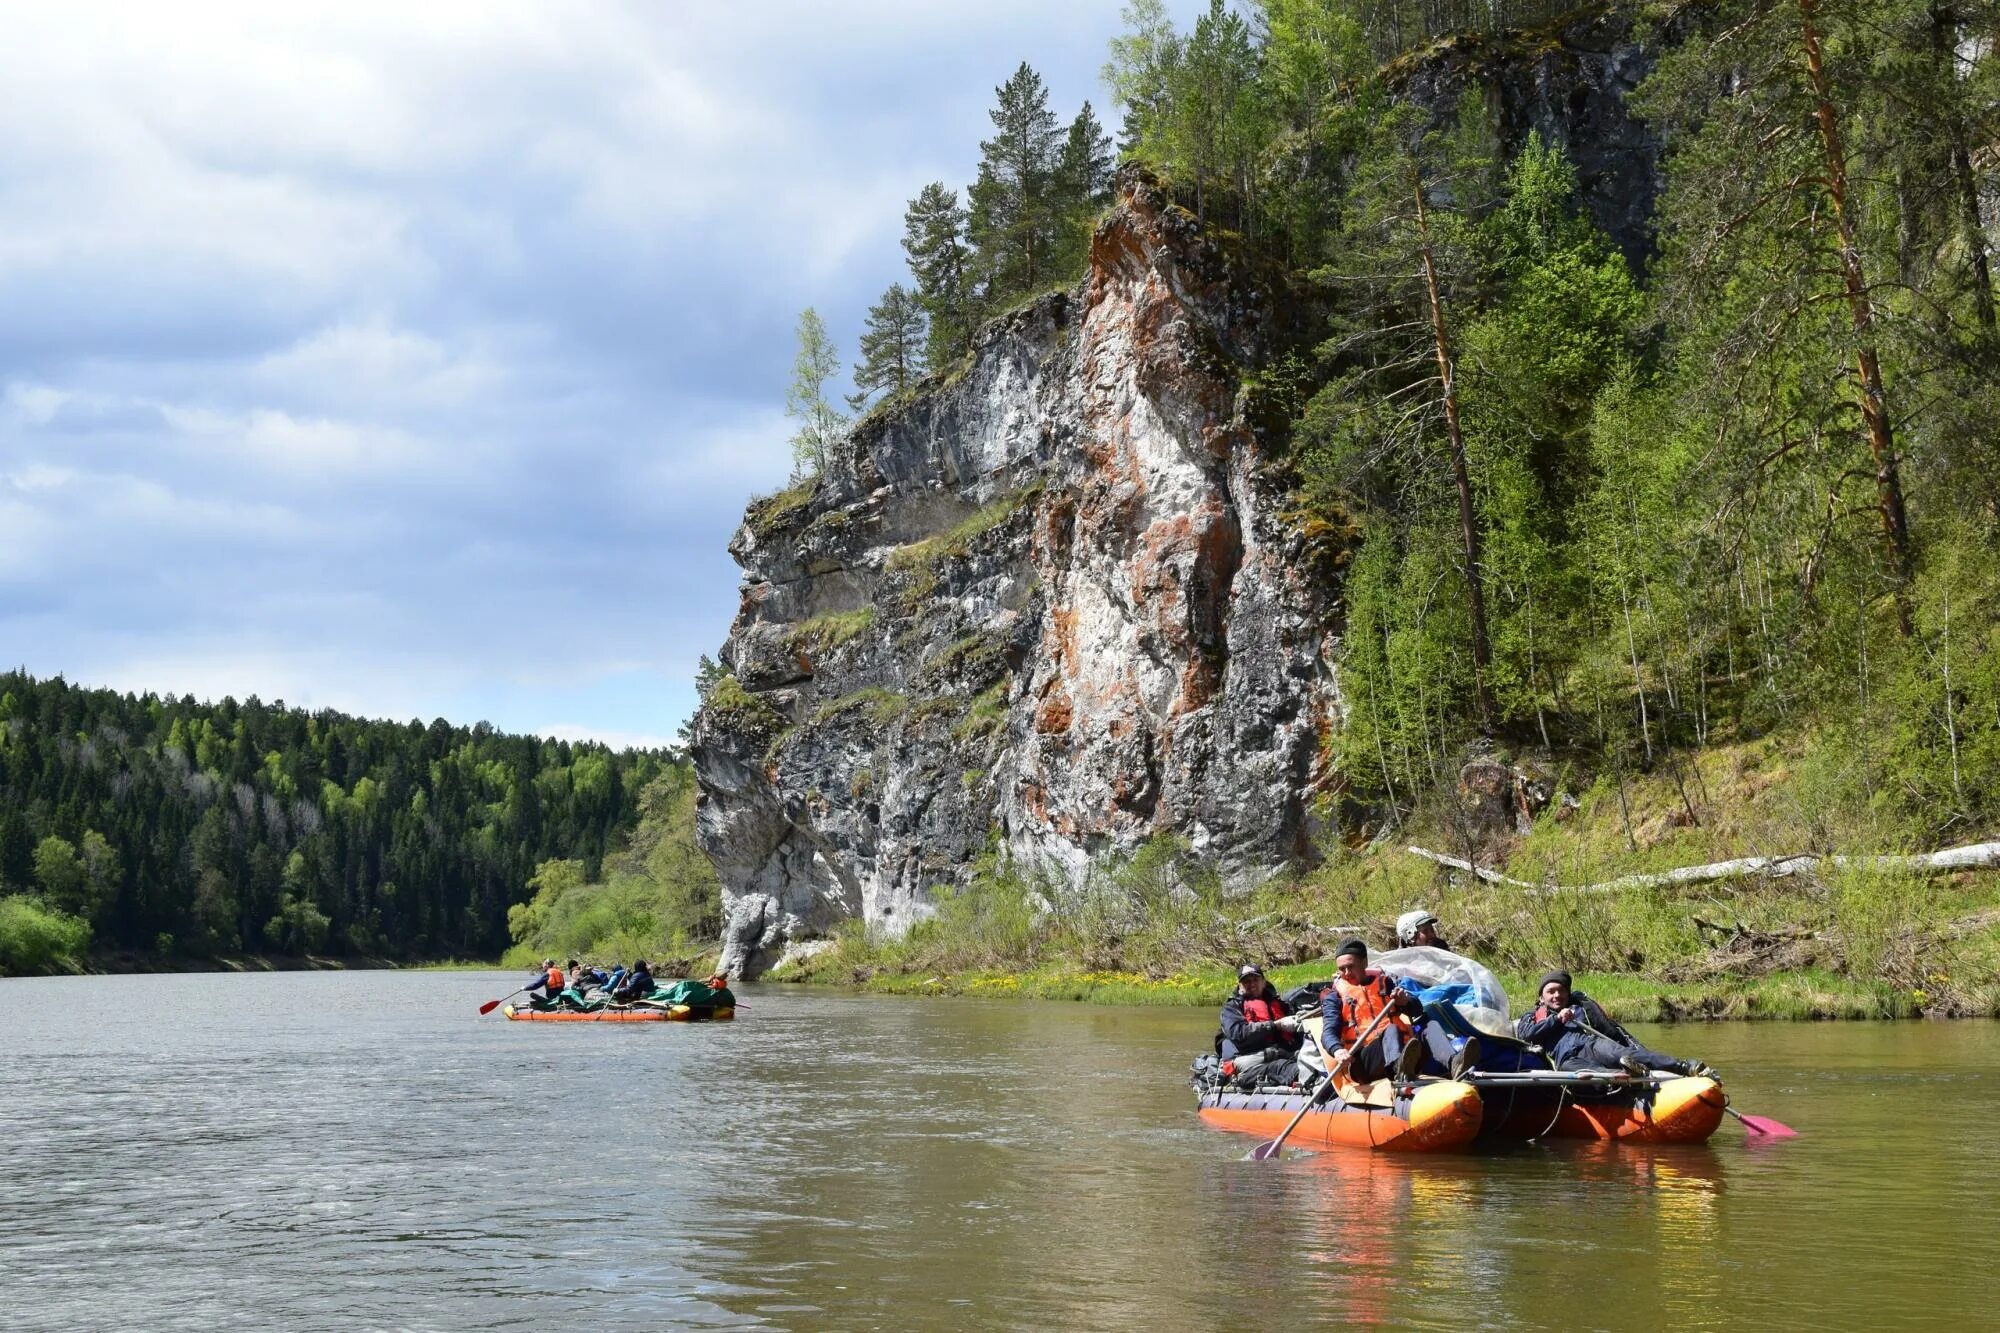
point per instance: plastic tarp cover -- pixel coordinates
(1439, 975)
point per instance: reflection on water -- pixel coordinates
(360, 1150)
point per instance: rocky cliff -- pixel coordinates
(1055, 603)
(1051, 602)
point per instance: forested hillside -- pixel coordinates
(178, 828)
(1733, 472)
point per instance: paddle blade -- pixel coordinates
(1266, 1150)
(1766, 1127)
(489, 1006)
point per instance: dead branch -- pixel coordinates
(1974, 856)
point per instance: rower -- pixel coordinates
(549, 983)
(638, 984)
(1578, 1034)
(1350, 1007)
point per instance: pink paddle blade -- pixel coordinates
(1767, 1127)
(1266, 1150)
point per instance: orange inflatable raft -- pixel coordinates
(679, 1013)
(1438, 1117)
(1674, 1110)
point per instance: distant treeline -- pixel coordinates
(172, 826)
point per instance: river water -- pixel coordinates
(360, 1150)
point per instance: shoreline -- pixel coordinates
(123, 963)
(1800, 996)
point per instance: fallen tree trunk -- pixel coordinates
(1975, 856)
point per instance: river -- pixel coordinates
(360, 1150)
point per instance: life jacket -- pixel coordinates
(1268, 1008)
(555, 979)
(1265, 1009)
(1359, 1006)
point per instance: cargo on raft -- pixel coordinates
(638, 1013)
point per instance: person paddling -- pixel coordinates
(1349, 1008)
(1578, 1034)
(637, 985)
(549, 983)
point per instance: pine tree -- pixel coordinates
(1391, 426)
(892, 347)
(820, 423)
(934, 240)
(1082, 189)
(1012, 222)
(1773, 258)
(1210, 131)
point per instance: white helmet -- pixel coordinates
(1409, 923)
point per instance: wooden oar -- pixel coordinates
(1264, 1152)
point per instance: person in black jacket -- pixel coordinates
(1578, 1034)
(638, 984)
(1258, 1026)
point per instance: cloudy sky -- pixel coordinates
(417, 359)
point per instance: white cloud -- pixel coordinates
(357, 353)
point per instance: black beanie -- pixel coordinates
(1553, 974)
(1355, 947)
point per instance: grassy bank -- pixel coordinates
(1843, 944)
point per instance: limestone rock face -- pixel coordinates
(1569, 83)
(1051, 605)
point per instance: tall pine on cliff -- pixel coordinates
(892, 347)
(941, 265)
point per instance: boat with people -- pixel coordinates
(636, 1013)
(581, 994)
(1471, 1078)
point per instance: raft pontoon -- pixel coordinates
(677, 1013)
(1435, 1117)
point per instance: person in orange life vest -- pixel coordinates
(549, 983)
(1349, 1008)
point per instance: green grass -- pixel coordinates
(37, 940)
(1848, 944)
(823, 633)
(770, 512)
(880, 706)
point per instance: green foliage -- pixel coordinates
(36, 939)
(823, 633)
(659, 898)
(941, 265)
(892, 347)
(743, 711)
(767, 514)
(880, 706)
(820, 423)
(238, 825)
